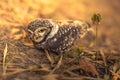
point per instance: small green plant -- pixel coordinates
(96, 18)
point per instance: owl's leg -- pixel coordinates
(48, 56)
(52, 61)
(57, 65)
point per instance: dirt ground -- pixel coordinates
(19, 60)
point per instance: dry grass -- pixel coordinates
(19, 60)
(4, 60)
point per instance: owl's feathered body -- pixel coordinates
(62, 35)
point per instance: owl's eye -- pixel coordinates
(40, 30)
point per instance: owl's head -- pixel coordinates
(41, 29)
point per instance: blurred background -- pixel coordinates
(21, 12)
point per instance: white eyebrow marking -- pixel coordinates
(30, 31)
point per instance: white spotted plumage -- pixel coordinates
(57, 36)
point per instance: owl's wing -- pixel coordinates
(84, 27)
(78, 29)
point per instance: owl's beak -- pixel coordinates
(37, 37)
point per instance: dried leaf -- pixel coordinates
(87, 65)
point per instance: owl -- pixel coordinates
(56, 36)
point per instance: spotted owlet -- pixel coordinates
(56, 36)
